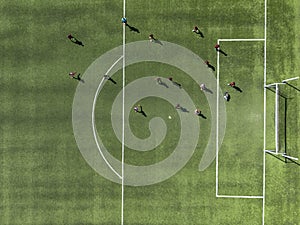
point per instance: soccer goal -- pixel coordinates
(284, 93)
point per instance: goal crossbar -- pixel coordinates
(290, 79)
(273, 152)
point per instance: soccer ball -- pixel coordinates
(170, 117)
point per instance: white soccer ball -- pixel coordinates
(170, 117)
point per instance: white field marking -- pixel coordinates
(243, 39)
(112, 66)
(123, 112)
(289, 157)
(281, 154)
(265, 114)
(240, 196)
(276, 118)
(94, 130)
(290, 79)
(273, 84)
(265, 80)
(264, 185)
(217, 124)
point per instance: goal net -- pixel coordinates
(286, 117)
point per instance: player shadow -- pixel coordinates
(78, 78)
(79, 43)
(222, 52)
(133, 29)
(164, 84)
(292, 86)
(237, 88)
(110, 79)
(75, 40)
(208, 90)
(211, 67)
(157, 41)
(177, 84)
(202, 115)
(178, 106)
(184, 109)
(143, 113)
(200, 34)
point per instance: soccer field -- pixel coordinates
(76, 152)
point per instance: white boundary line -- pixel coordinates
(217, 124)
(123, 113)
(265, 113)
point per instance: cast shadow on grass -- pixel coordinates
(285, 160)
(143, 113)
(222, 52)
(110, 79)
(157, 41)
(78, 78)
(237, 88)
(292, 161)
(211, 67)
(184, 109)
(177, 84)
(202, 115)
(200, 34)
(208, 90)
(163, 84)
(292, 86)
(133, 29)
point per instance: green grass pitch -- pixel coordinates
(45, 180)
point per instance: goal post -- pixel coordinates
(280, 117)
(274, 87)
